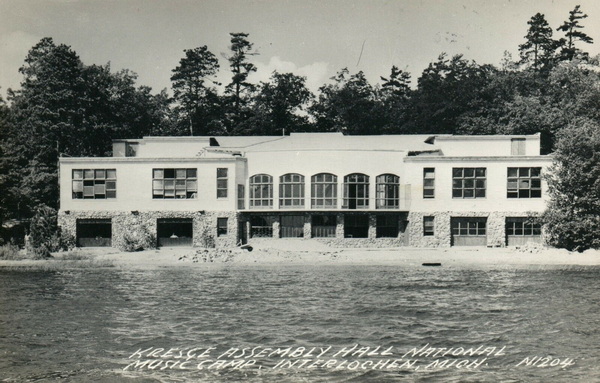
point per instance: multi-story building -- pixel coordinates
(388, 190)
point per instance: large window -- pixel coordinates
(388, 191)
(174, 183)
(428, 182)
(356, 191)
(94, 183)
(468, 182)
(468, 226)
(387, 226)
(261, 191)
(524, 183)
(522, 227)
(291, 191)
(221, 182)
(356, 226)
(324, 191)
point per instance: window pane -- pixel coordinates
(77, 186)
(180, 173)
(77, 174)
(111, 174)
(221, 172)
(158, 174)
(88, 174)
(191, 173)
(469, 172)
(100, 174)
(513, 172)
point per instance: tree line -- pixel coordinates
(67, 108)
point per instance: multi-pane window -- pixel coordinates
(174, 183)
(261, 191)
(221, 226)
(221, 182)
(324, 191)
(388, 191)
(356, 191)
(524, 183)
(468, 182)
(291, 190)
(387, 226)
(356, 226)
(428, 226)
(94, 183)
(428, 182)
(469, 226)
(522, 227)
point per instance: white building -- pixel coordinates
(389, 190)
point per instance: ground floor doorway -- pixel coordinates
(173, 232)
(469, 231)
(94, 232)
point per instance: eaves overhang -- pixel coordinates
(543, 158)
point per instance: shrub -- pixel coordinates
(44, 233)
(137, 239)
(10, 252)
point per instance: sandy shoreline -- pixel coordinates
(306, 252)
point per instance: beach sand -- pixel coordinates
(313, 252)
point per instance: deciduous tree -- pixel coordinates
(572, 219)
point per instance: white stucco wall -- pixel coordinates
(134, 184)
(496, 186)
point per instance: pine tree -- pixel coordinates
(573, 33)
(239, 89)
(191, 88)
(538, 52)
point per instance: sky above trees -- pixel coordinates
(309, 38)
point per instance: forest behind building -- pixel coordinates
(65, 107)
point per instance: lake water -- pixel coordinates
(86, 325)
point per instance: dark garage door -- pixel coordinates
(292, 226)
(175, 232)
(94, 232)
(469, 231)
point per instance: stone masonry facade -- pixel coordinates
(204, 225)
(495, 227)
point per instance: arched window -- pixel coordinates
(388, 191)
(356, 191)
(324, 191)
(261, 191)
(291, 190)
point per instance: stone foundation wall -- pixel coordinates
(204, 224)
(495, 227)
(362, 242)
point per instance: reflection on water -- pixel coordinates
(82, 325)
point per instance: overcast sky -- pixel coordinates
(313, 38)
